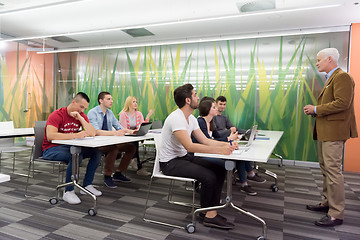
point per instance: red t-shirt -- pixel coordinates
(64, 123)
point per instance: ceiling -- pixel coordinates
(40, 23)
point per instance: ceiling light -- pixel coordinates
(31, 8)
(175, 22)
(209, 39)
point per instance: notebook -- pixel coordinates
(246, 144)
(144, 129)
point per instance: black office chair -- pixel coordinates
(36, 155)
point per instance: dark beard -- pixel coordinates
(193, 106)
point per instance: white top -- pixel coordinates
(171, 147)
(132, 121)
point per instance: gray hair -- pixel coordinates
(330, 52)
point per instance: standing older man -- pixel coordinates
(335, 123)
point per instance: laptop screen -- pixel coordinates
(251, 138)
(144, 128)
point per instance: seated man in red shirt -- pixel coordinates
(64, 124)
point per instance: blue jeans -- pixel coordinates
(242, 167)
(62, 153)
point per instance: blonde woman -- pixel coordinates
(131, 118)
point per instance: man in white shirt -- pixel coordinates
(175, 160)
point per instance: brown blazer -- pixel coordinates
(335, 118)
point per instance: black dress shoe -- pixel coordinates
(318, 208)
(327, 222)
(202, 215)
(217, 222)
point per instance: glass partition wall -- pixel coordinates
(26, 84)
(266, 81)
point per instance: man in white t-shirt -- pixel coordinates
(175, 160)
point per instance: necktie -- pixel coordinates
(104, 126)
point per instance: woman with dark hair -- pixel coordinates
(207, 111)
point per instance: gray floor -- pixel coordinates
(120, 210)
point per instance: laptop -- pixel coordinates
(246, 144)
(144, 129)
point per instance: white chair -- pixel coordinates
(151, 143)
(7, 145)
(158, 174)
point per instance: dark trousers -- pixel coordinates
(136, 155)
(210, 174)
(111, 154)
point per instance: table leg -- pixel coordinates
(229, 166)
(274, 187)
(75, 151)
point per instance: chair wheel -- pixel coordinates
(260, 238)
(234, 181)
(190, 228)
(274, 188)
(53, 201)
(92, 212)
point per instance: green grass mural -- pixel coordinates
(270, 93)
(273, 98)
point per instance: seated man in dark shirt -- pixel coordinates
(223, 129)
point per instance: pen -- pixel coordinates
(230, 142)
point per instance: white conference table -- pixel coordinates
(102, 141)
(93, 142)
(259, 151)
(17, 132)
(4, 177)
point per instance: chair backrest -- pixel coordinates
(40, 123)
(39, 138)
(158, 142)
(156, 124)
(6, 127)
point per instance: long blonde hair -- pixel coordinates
(128, 103)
